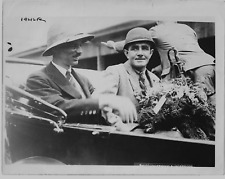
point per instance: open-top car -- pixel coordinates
(38, 130)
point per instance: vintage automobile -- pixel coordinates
(37, 130)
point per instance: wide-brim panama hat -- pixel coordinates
(59, 34)
(138, 34)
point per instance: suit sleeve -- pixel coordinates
(42, 88)
(154, 78)
(111, 80)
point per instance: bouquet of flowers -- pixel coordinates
(178, 104)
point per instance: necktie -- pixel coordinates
(142, 83)
(70, 78)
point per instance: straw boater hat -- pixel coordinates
(138, 34)
(59, 34)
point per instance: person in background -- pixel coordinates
(132, 79)
(59, 84)
(197, 64)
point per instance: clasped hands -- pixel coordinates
(122, 105)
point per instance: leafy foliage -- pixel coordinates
(186, 108)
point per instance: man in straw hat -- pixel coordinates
(61, 86)
(132, 79)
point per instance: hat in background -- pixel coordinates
(60, 34)
(138, 34)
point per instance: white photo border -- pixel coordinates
(157, 10)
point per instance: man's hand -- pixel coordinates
(110, 44)
(123, 105)
(117, 46)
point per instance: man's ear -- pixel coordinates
(125, 51)
(151, 51)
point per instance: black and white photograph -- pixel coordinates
(118, 87)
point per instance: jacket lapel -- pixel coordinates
(82, 83)
(60, 80)
(129, 71)
(149, 78)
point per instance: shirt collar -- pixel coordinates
(131, 70)
(61, 69)
(140, 72)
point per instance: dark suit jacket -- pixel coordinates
(50, 85)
